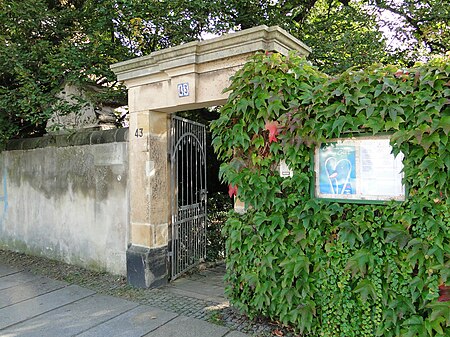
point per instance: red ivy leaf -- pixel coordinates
(272, 127)
(399, 73)
(444, 292)
(232, 190)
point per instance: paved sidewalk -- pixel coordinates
(32, 305)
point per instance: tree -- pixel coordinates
(342, 35)
(43, 45)
(47, 43)
(421, 28)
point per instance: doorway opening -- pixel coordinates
(199, 202)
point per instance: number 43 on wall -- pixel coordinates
(139, 133)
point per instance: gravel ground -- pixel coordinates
(114, 285)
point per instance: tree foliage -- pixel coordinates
(335, 268)
(46, 43)
(43, 45)
(343, 36)
(420, 27)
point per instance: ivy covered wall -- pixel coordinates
(329, 268)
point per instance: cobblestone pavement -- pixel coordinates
(198, 295)
(189, 296)
(221, 314)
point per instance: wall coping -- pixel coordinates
(70, 139)
(197, 52)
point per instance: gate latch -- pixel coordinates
(203, 194)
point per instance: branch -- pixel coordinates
(301, 15)
(413, 23)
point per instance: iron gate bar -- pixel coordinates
(188, 195)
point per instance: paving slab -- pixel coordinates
(35, 306)
(27, 290)
(71, 319)
(7, 270)
(12, 280)
(196, 289)
(209, 277)
(22, 311)
(134, 323)
(183, 326)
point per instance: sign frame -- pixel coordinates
(350, 170)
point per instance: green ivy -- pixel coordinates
(327, 268)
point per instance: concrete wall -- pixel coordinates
(66, 197)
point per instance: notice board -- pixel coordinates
(359, 168)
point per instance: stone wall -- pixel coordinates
(66, 197)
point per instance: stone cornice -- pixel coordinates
(261, 38)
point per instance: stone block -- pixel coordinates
(15, 144)
(81, 138)
(142, 234)
(161, 235)
(147, 267)
(103, 136)
(122, 135)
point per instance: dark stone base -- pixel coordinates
(147, 267)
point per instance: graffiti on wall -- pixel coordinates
(3, 198)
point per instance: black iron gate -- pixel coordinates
(188, 195)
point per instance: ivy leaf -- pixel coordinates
(428, 164)
(277, 219)
(397, 233)
(416, 252)
(420, 131)
(414, 327)
(258, 142)
(243, 104)
(370, 110)
(307, 312)
(272, 127)
(339, 124)
(400, 136)
(444, 124)
(440, 309)
(435, 325)
(237, 164)
(359, 262)
(274, 108)
(349, 233)
(392, 113)
(378, 91)
(232, 190)
(427, 141)
(366, 288)
(301, 264)
(259, 218)
(375, 124)
(446, 160)
(393, 124)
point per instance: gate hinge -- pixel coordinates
(169, 254)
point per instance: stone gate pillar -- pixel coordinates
(181, 78)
